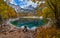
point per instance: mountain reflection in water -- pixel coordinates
(30, 23)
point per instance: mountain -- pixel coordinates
(18, 9)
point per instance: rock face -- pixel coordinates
(20, 10)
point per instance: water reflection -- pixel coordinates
(30, 23)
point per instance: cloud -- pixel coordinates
(25, 3)
(21, 3)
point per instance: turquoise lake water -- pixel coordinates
(30, 23)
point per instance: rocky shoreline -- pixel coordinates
(8, 31)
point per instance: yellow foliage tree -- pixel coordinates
(6, 11)
(48, 13)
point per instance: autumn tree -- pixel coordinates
(48, 13)
(55, 7)
(6, 11)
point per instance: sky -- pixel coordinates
(25, 3)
